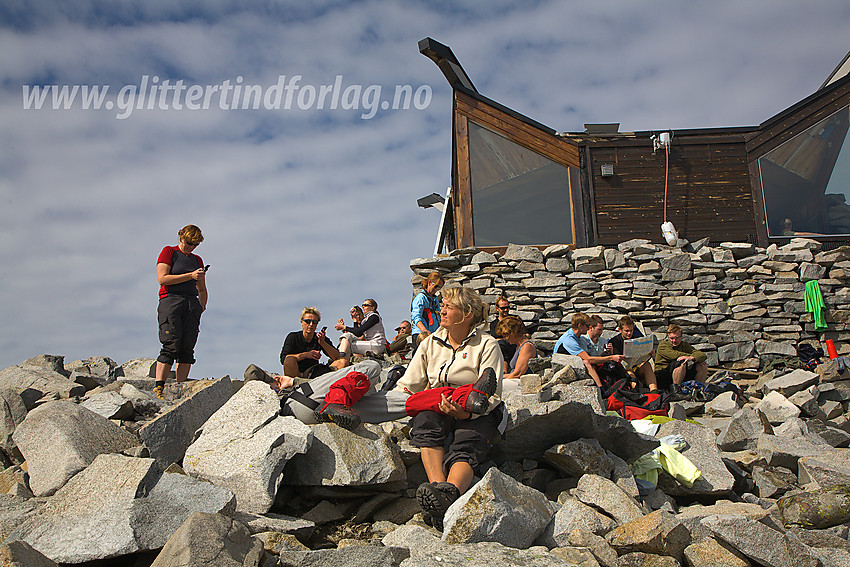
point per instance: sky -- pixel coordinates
(306, 188)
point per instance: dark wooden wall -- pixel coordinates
(708, 192)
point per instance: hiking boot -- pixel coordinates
(343, 416)
(159, 391)
(479, 398)
(435, 498)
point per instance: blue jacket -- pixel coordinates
(425, 308)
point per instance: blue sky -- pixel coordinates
(310, 206)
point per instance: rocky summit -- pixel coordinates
(99, 472)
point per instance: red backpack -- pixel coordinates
(631, 404)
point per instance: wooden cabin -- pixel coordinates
(515, 180)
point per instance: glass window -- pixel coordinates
(806, 181)
(517, 194)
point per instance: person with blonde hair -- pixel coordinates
(454, 435)
(182, 299)
(677, 361)
(573, 342)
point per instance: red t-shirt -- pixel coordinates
(180, 264)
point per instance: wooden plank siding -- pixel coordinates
(709, 191)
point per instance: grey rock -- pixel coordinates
(579, 457)
(791, 383)
(444, 262)
(598, 546)
(709, 552)
(735, 351)
(786, 451)
(658, 533)
(818, 509)
(170, 434)
(760, 543)
(12, 414)
(764, 347)
(702, 451)
(269, 522)
(773, 482)
(245, 445)
(535, 428)
(101, 369)
(107, 499)
(498, 508)
(210, 539)
(39, 377)
(608, 497)
(22, 554)
(519, 253)
(110, 405)
(826, 469)
(777, 408)
(14, 510)
(741, 431)
(142, 367)
(338, 457)
(574, 515)
(809, 271)
(483, 259)
(739, 249)
(347, 556)
(59, 439)
(724, 405)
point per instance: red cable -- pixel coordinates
(666, 174)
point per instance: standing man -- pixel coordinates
(182, 299)
(677, 361)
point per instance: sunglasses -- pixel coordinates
(310, 321)
(504, 308)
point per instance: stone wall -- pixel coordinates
(739, 303)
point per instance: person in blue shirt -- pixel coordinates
(572, 342)
(425, 309)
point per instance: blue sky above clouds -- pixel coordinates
(318, 206)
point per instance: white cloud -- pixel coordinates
(318, 207)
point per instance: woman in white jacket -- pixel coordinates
(454, 441)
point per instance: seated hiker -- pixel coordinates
(350, 396)
(597, 344)
(572, 342)
(402, 343)
(303, 349)
(677, 361)
(626, 326)
(512, 328)
(366, 337)
(453, 440)
(503, 307)
(300, 354)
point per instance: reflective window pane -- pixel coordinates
(806, 181)
(517, 194)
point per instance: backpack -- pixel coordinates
(809, 355)
(632, 404)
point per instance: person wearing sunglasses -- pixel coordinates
(503, 308)
(303, 349)
(366, 337)
(182, 299)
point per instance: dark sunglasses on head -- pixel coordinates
(310, 321)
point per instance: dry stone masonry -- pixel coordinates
(740, 304)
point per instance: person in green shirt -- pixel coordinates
(677, 361)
